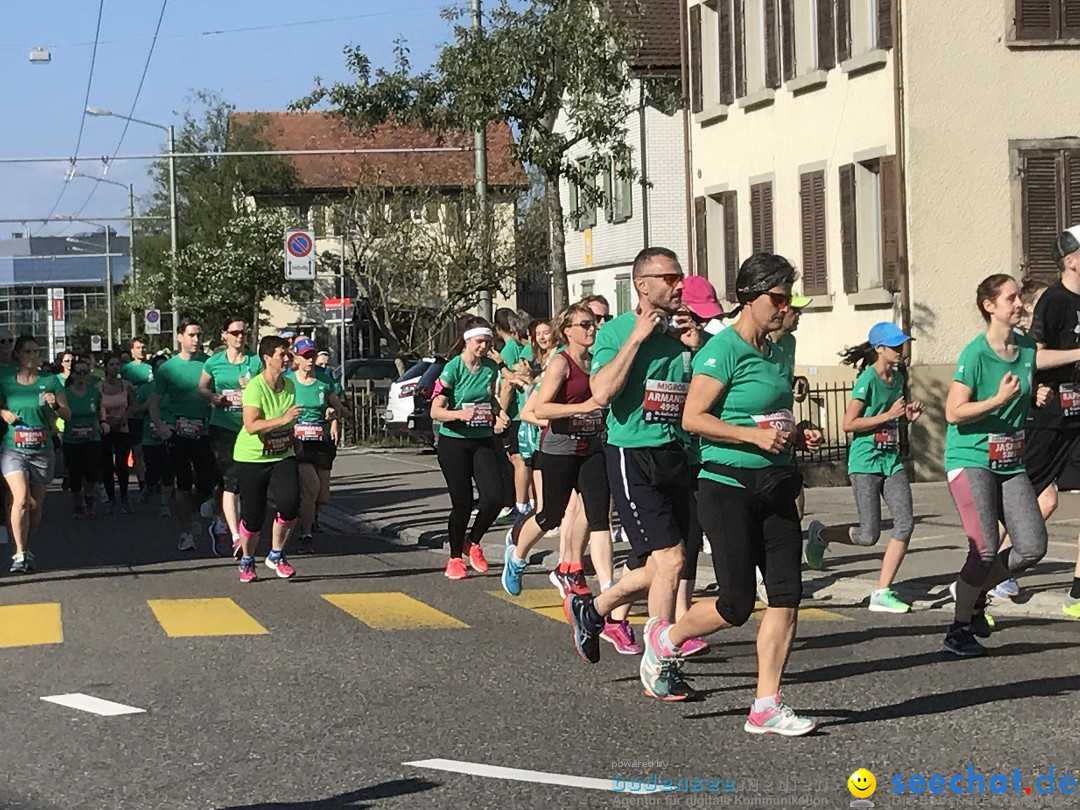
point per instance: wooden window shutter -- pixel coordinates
(1040, 220)
(826, 34)
(726, 33)
(849, 246)
(697, 101)
(1037, 19)
(1070, 19)
(787, 38)
(739, 47)
(761, 218)
(772, 45)
(891, 232)
(843, 30)
(701, 237)
(755, 219)
(884, 23)
(812, 203)
(1072, 189)
(730, 200)
(767, 219)
(820, 234)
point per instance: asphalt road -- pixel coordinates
(311, 707)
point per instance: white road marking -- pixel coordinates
(88, 703)
(520, 775)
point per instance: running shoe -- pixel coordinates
(1071, 608)
(247, 571)
(762, 591)
(961, 641)
(982, 623)
(562, 582)
(814, 552)
(125, 506)
(673, 688)
(679, 686)
(187, 542)
(1009, 589)
(305, 545)
(280, 565)
(578, 584)
(656, 669)
(586, 634)
(512, 571)
(515, 530)
(507, 517)
(477, 560)
(884, 600)
(22, 563)
(455, 569)
(693, 646)
(164, 511)
(779, 719)
(621, 636)
(220, 538)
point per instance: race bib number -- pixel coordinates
(81, 433)
(483, 416)
(1006, 450)
(30, 438)
(781, 420)
(887, 436)
(277, 442)
(586, 425)
(1069, 394)
(232, 400)
(308, 431)
(189, 428)
(664, 401)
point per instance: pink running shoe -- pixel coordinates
(455, 569)
(281, 566)
(247, 571)
(693, 646)
(621, 636)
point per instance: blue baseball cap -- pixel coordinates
(889, 334)
(304, 345)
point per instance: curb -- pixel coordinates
(386, 530)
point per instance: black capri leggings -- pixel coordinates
(463, 461)
(586, 474)
(257, 479)
(694, 537)
(193, 465)
(748, 530)
(159, 469)
(83, 460)
(115, 447)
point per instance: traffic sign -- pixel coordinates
(334, 304)
(152, 321)
(300, 258)
(57, 321)
(95, 343)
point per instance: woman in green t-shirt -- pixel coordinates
(874, 466)
(986, 409)
(30, 400)
(470, 416)
(82, 438)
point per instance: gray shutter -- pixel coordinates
(726, 32)
(1040, 191)
(1070, 19)
(826, 34)
(1037, 19)
(849, 251)
(787, 39)
(891, 232)
(739, 50)
(843, 30)
(701, 237)
(884, 23)
(730, 201)
(772, 45)
(697, 101)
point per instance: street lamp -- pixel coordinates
(40, 56)
(97, 111)
(108, 274)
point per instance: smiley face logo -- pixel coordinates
(862, 784)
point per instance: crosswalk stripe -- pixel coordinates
(28, 625)
(392, 611)
(181, 618)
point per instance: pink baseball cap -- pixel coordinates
(700, 296)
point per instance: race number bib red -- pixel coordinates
(586, 425)
(1069, 394)
(483, 415)
(277, 442)
(1006, 450)
(780, 420)
(308, 431)
(887, 436)
(189, 428)
(664, 401)
(232, 399)
(30, 438)
(81, 433)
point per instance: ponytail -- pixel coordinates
(861, 356)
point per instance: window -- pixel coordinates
(869, 224)
(761, 218)
(587, 288)
(618, 193)
(582, 211)
(622, 294)
(799, 35)
(718, 243)
(862, 26)
(1050, 202)
(1047, 20)
(812, 205)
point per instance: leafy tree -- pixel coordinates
(535, 64)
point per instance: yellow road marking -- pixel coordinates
(27, 625)
(392, 611)
(180, 618)
(808, 614)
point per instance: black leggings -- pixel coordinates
(257, 479)
(462, 461)
(159, 469)
(748, 530)
(586, 474)
(694, 539)
(83, 460)
(115, 447)
(193, 465)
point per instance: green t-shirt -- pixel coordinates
(328, 378)
(314, 398)
(757, 393)
(278, 443)
(178, 379)
(137, 373)
(876, 451)
(149, 430)
(466, 389)
(785, 346)
(647, 412)
(31, 433)
(229, 379)
(82, 427)
(995, 442)
(511, 355)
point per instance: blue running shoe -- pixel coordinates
(512, 571)
(586, 636)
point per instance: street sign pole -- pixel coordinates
(341, 311)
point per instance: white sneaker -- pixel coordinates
(762, 592)
(187, 542)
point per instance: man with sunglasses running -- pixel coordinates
(641, 370)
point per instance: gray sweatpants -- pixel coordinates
(869, 490)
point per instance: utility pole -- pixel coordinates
(172, 234)
(480, 146)
(108, 288)
(131, 253)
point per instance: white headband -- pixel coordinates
(480, 331)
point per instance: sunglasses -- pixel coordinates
(603, 318)
(7, 340)
(779, 300)
(586, 325)
(671, 279)
(237, 332)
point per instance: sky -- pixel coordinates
(266, 67)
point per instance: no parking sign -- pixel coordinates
(152, 321)
(299, 255)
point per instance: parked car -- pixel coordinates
(379, 372)
(408, 406)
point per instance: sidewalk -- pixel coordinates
(401, 496)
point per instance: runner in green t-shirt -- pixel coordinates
(137, 372)
(29, 400)
(159, 470)
(265, 459)
(987, 408)
(878, 403)
(512, 385)
(82, 438)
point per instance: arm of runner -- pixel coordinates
(154, 407)
(608, 380)
(255, 424)
(959, 408)
(855, 422)
(440, 413)
(528, 410)
(554, 377)
(59, 405)
(704, 393)
(206, 389)
(1055, 358)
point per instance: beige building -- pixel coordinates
(896, 152)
